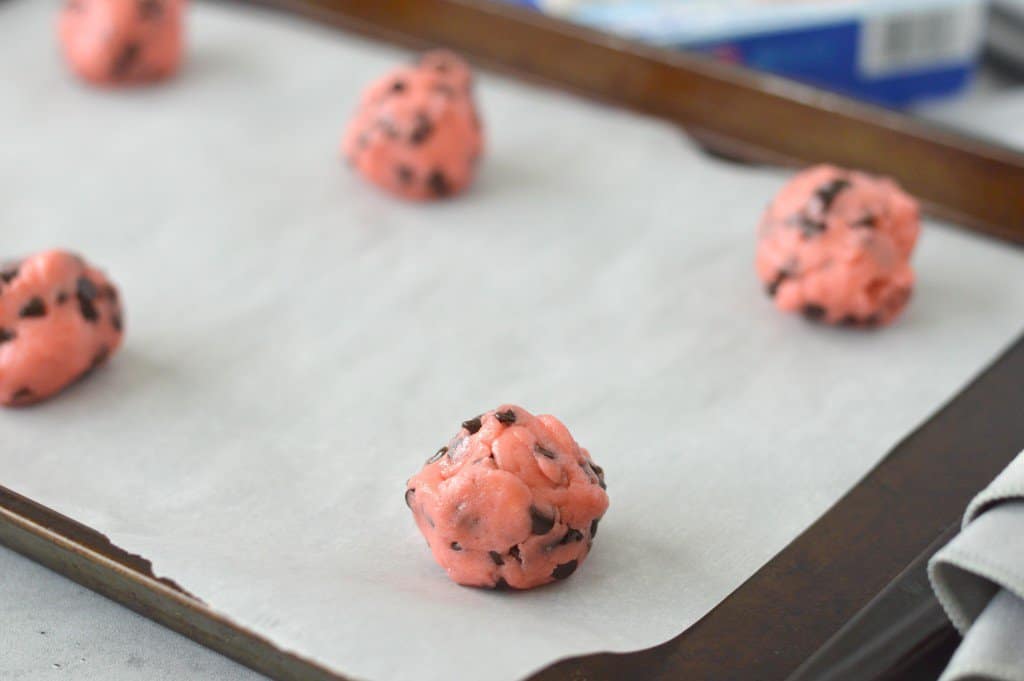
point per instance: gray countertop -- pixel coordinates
(53, 628)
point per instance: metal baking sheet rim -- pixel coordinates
(144, 593)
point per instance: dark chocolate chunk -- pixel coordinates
(808, 226)
(600, 475)
(110, 292)
(514, 552)
(21, 394)
(438, 183)
(150, 10)
(540, 523)
(405, 174)
(868, 222)
(496, 557)
(849, 320)
(398, 86)
(125, 60)
(84, 288)
(813, 312)
(545, 452)
(88, 310)
(473, 425)
(62, 297)
(6, 335)
(409, 493)
(827, 193)
(508, 416)
(8, 275)
(456, 546)
(423, 129)
(593, 527)
(564, 570)
(437, 455)
(571, 535)
(86, 293)
(115, 321)
(501, 585)
(773, 286)
(35, 307)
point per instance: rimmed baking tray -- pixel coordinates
(782, 613)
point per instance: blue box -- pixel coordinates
(891, 52)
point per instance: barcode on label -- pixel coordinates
(913, 40)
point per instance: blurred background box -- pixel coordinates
(1006, 33)
(891, 52)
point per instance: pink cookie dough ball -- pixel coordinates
(116, 42)
(60, 319)
(416, 132)
(835, 245)
(511, 502)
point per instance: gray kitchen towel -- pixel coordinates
(979, 579)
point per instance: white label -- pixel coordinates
(926, 37)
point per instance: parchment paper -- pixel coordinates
(299, 343)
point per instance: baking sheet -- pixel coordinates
(298, 344)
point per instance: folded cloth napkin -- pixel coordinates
(979, 579)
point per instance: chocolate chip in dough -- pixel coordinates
(35, 307)
(813, 312)
(540, 523)
(828, 192)
(21, 394)
(545, 452)
(564, 570)
(9, 275)
(571, 535)
(422, 131)
(505, 417)
(437, 455)
(125, 60)
(438, 183)
(773, 286)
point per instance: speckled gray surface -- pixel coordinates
(52, 628)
